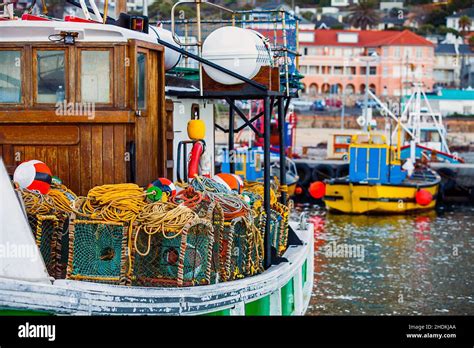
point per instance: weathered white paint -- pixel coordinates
(20, 258)
(275, 303)
(39, 31)
(84, 298)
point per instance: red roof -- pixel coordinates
(367, 38)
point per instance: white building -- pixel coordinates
(453, 20)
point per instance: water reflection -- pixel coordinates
(393, 265)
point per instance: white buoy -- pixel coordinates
(242, 51)
(171, 57)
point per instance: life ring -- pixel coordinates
(322, 172)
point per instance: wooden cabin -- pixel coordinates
(114, 126)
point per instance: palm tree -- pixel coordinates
(364, 14)
(464, 24)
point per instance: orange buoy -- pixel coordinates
(298, 190)
(233, 181)
(33, 175)
(423, 197)
(317, 189)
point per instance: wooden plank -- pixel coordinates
(40, 153)
(74, 181)
(51, 158)
(39, 135)
(48, 115)
(18, 154)
(120, 174)
(108, 163)
(63, 164)
(8, 158)
(30, 153)
(96, 155)
(86, 161)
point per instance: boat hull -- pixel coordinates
(283, 289)
(362, 198)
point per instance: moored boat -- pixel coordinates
(88, 100)
(377, 182)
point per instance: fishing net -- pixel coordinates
(98, 251)
(221, 250)
(170, 259)
(48, 217)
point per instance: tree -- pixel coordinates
(364, 14)
(307, 15)
(464, 24)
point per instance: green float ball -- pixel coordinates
(56, 181)
(154, 193)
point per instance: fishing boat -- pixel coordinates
(93, 134)
(377, 181)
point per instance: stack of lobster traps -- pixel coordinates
(204, 234)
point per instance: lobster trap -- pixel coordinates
(50, 232)
(170, 258)
(98, 252)
(221, 250)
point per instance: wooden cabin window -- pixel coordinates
(10, 77)
(50, 76)
(96, 80)
(141, 80)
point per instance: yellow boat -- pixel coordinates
(377, 183)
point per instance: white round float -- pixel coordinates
(243, 51)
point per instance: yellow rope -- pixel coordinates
(165, 218)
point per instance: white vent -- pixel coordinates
(348, 37)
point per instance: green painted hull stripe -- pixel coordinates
(288, 298)
(258, 307)
(304, 271)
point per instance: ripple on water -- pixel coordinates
(411, 265)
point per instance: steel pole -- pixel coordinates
(232, 155)
(281, 130)
(266, 181)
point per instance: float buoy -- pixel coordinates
(423, 197)
(154, 193)
(196, 129)
(195, 158)
(298, 190)
(317, 189)
(233, 181)
(165, 185)
(33, 175)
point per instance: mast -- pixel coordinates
(120, 7)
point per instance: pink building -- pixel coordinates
(336, 60)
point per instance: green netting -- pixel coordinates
(97, 251)
(160, 265)
(184, 260)
(47, 230)
(221, 249)
(198, 255)
(240, 249)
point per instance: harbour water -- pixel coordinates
(393, 265)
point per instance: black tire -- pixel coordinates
(342, 170)
(304, 173)
(322, 172)
(448, 179)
